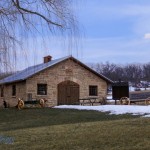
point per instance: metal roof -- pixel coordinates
(30, 71)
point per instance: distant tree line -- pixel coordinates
(133, 73)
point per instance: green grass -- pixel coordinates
(64, 129)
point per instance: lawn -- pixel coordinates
(64, 129)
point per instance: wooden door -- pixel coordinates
(68, 93)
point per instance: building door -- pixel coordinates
(68, 93)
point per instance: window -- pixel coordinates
(42, 89)
(92, 90)
(2, 91)
(13, 90)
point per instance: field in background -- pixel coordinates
(63, 129)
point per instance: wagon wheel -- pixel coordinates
(42, 102)
(124, 101)
(20, 104)
(147, 101)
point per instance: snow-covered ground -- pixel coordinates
(131, 89)
(109, 97)
(113, 109)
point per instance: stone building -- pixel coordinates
(60, 81)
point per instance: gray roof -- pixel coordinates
(30, 71)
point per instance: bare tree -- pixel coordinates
(133, 73)
(146, 72)
(29, 16)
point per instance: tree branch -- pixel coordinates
(17, 5)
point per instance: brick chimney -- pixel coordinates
(47, 58)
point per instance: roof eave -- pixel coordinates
(15, 81)
(93, 71)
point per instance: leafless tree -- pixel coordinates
(146, 72)
(18, 16)
(133, 73)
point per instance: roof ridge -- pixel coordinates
(29, 71)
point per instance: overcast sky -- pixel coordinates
(117, 31)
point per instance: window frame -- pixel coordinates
(93, 90)
(43, 89)
(13, 90)
(2, 91)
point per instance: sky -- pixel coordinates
(117, 31)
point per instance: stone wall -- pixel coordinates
(12, 100)
(67, 70)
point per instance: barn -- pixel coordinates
(60, 81)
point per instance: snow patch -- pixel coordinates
(113, 109)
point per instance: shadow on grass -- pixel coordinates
(12, 119)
